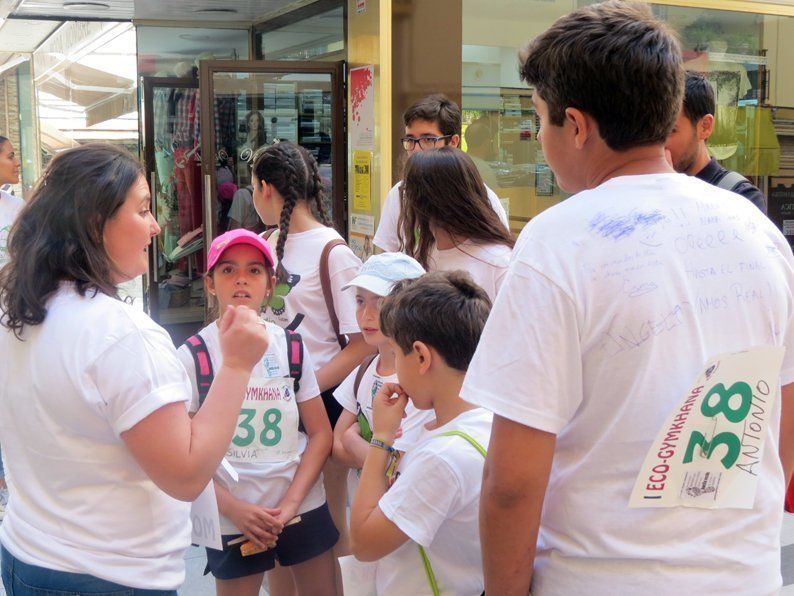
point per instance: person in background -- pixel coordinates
(687, 142)
(447, 221)
(9, 209)
(615, 302)
(102, 456)
(430, 123)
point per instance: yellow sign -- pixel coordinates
(362, 180)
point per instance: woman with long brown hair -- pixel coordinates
(447, 221)
(100, 451)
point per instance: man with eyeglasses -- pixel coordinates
(430, 123)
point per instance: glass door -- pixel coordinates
(172, 153)
(251, 104)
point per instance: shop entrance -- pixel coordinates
(200, 138)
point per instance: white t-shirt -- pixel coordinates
(263, 483)
(613, 302)
(300, 305)
(387, 237)
(10, 207)
(486, 263)
(242, 209)
(80, 502)
(436, 501)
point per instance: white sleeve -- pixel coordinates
(387, 237)
(345, 395)
(138, 375)
(343, 265)
(497, 206)
(528, 364)
(422, 497)
(186, 358)
(308, 384)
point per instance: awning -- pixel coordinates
(103, 95)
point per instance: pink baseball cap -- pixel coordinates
(238, 236)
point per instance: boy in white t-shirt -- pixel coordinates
(420, 522)
(430, 123)
(615, 304)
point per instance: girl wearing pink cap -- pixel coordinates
(277, 510)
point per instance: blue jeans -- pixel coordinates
(21, 579)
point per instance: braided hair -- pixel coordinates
(294, 174)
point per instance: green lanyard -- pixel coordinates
(431, 577)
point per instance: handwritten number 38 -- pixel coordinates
(722, 405)
(270, 435)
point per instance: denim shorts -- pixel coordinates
(21, 579)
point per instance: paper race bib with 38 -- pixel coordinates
(708, 453)
(267, 427)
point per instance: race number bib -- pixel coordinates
(267, 426)
(708, 454)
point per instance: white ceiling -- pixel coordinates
(25, 36)
(170, 10)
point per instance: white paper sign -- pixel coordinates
(206, 520)
(708, 453)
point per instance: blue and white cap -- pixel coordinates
(380, 272)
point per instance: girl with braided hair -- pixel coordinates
(313, 265)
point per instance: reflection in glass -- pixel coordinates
(255, 109)
(177, 186)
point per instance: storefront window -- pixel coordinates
(742, 54)
(177, 51)
(317, 37)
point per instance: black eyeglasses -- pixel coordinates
(424, 142)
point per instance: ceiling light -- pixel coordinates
(216, 10)
(86, 5)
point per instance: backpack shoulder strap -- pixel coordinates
(471, 440)
(268, 233)
(362, 370)
(201, 358)
(325, 283)
(295, 356)
(431, 576)
(730, 180)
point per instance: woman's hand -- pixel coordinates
(243, 338)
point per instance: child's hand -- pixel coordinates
(259, 524)
(388, 411)
(243, 337)
(286, 512)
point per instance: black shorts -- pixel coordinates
(332, 407)
(313, 535)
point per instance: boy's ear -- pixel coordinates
(583, 126)
(454, 141)
(424, 356)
